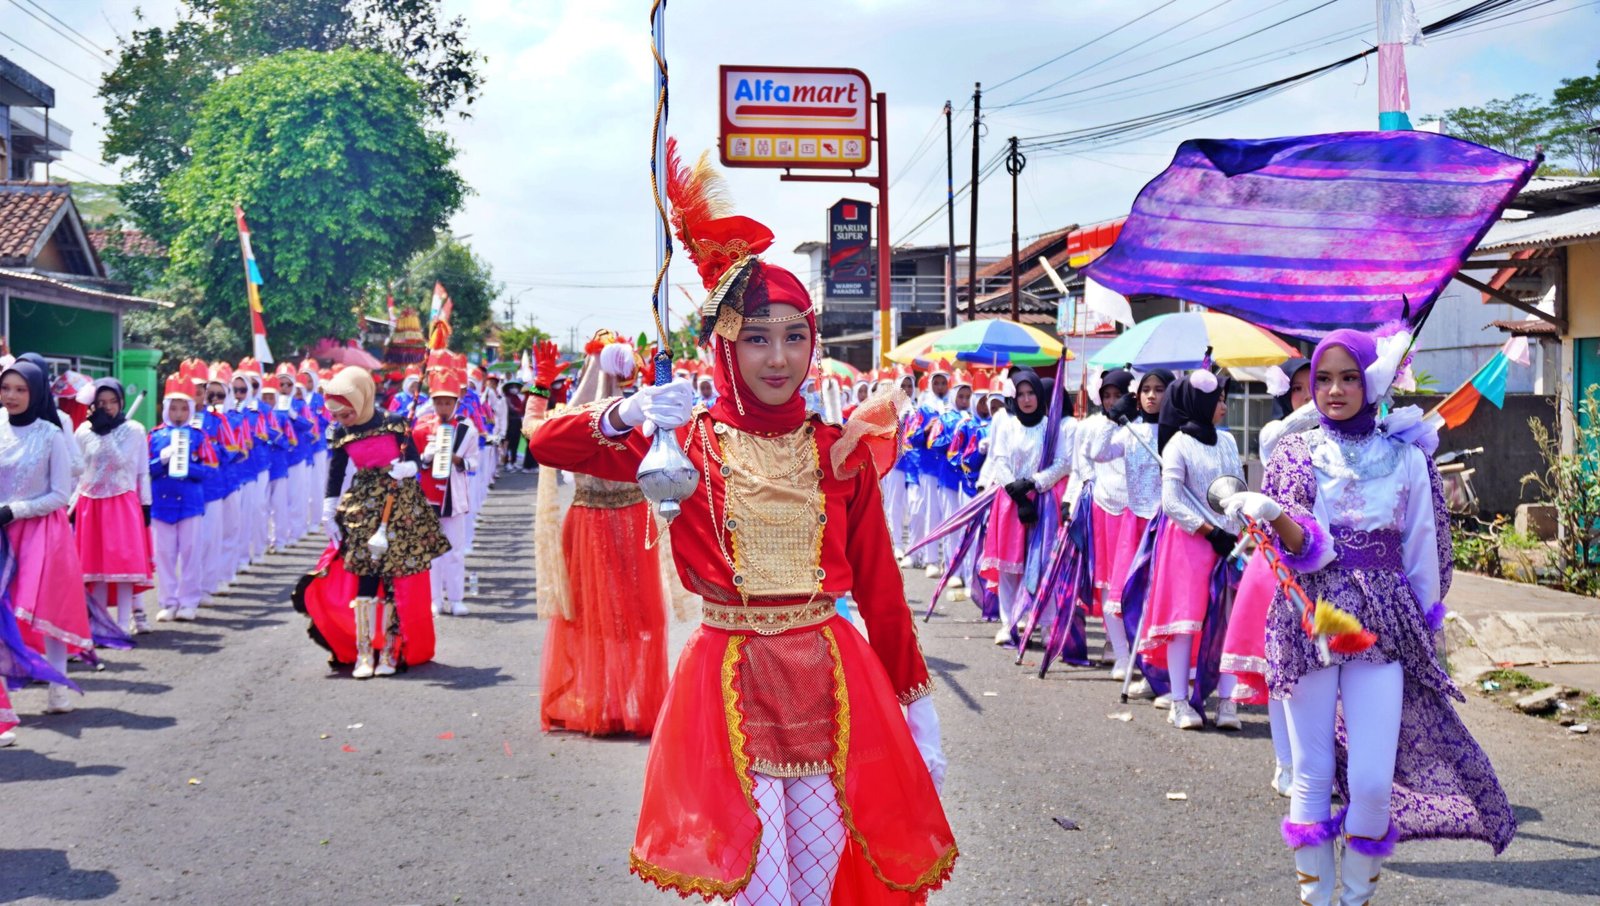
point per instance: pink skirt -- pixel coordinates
(113, 541)
(1180, 588)
(1130, 528)
(47, 591)
(1244, 648)
(1005, 548)
(1106, 530)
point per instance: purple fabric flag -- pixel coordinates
(1307, 234)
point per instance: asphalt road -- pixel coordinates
(221, 762)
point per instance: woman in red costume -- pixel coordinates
(783, 768)
(605, 653)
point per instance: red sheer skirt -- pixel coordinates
(605, 670)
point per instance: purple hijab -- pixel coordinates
(1364, 349)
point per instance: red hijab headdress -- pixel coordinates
(724, 248)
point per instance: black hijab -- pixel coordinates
(40, 403)
(99, 421)
(1031, 378)
(1120, 378)
(1166, 377)
(1186, 409)
(1290, 368)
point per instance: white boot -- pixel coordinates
(1363, 861)
(364, 613)
(1314, 870)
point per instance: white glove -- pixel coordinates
(428, 454)
(330, 522)
(1259, 507)
(667, 406)
(403, 469)
(983, 445)
(166, 454)
(924, 724)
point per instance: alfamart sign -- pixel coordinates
(779, 116)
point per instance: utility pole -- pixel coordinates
(950, 215)
(972, 235)
(1014, 164)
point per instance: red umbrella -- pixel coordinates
(346, 353)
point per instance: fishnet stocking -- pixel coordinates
(802, 839)
(816, 838)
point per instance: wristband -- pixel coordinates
(541, 392)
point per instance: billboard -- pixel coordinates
(849, 269)
(788, 116)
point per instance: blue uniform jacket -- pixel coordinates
(173, 500)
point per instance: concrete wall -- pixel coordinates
(1508, 448)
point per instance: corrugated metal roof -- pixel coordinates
(1540, 185)
(1538, 232)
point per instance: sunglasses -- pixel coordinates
(241, 391)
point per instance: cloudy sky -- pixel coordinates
(557, 148)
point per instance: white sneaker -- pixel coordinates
(1228, 716)
(164, 614)
(956, 582)
(7, 738)
(1282, 779)
(186, 614)
(458, 609)
(59, 701)
(905, 562)
(1119, 670)
(383, 669)
(933, 571)
(1162, 701)
(1184, 716)
(1003, 636)
(899, 554)
(1139, 689)
(440, 607)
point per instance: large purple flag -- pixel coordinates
(1307, 234)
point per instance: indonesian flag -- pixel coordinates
(439, 320)
(252, 280)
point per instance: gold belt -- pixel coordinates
(616, 499)
(766, 620)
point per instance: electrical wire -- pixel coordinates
(98, 57)
(1092, 41)
(23, 47)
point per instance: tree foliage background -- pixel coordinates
(154, 95)
(1565, 125)
(340, 181)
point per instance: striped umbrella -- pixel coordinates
(918, 351)
(1000, 343)
(844, 371)
(1181, 340)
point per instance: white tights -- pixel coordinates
(1279, 724)
(802, 837)
(1371, 694)
(1179, 652)
(55, 652)
(1116, 634)
(1011, 596)
(118, 593)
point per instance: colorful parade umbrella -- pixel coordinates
(844, 371)
(1307, 234)
(918, 351)
(998, 343)
(1181, 340)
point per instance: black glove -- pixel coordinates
(5, 516)
(1027, 510)
(1222, 542)
(146, 508)
(1125, 409)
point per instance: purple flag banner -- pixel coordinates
(1307, 234)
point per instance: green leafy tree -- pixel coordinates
(153, 96)
(514, 341)
(185, 330)
(1516, 126)
(1576, 134)
(339, 178)
(466, 277)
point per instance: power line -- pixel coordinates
(85, 38)
(1088, 43)
(24, 47)
(1169, 64)
(70, 40)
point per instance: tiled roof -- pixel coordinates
(1533, 327)
(128, 241)
(26, 211)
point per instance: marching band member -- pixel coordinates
(281, 459)
(178, 503)
(36, 481)
(111, 507)
(759, 786)
(1357, 505)
(383, 500)
(450, 496)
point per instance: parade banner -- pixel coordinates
(849, 271)
(786, 116)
